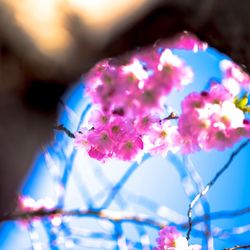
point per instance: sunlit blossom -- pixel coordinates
(128, 97)
(170, 239)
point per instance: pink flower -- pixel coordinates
(172, 67)
(189, 142)
(189, 42)
(171, 239)
(128, 96)
(210, 120)
(234, 75)
(185, 41)
(96, 154)
(100, 139)
(81, 140)
(120, 128)
(99, 119)
(138, 85)
(192, 102)
(150, 59)
(162, 138)
(144, 123)
(149, 98)
(218, 93)
(129, 148)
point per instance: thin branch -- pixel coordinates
(220, 215)
(114, 216)
(105, 214)
(172, 116)
(116, 188)
(61, 127)
(210, 184)
(197, 180)
(237, 247)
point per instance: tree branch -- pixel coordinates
(102, 214)
(61, 127)
(118, 186)
(210, 184)
(172, 116)
(114, 216)
(237, 247)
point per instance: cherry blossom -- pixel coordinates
(188, 42)
(210, 120)
(128, 95)
(170, 239)
(234, 77)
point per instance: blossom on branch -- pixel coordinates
(129, 119)
(234, 77)
(128, 98)
(211, 120)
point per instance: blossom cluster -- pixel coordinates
(216, 119)
(139, 84)
(170, 239)
(128, 96)
(128, 116)
(235, 79)
(112, 136)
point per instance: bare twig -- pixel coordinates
(114, 216)
(220, 215)
(118, 186)
(172, 116)
(210, 184)
(237, 247)
(103, 214)
(61, 127)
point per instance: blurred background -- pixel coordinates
(45, 46)
(159, 188)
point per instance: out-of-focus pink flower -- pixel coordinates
(170, 239)
(246, 131)
(99, 118)
(27, 204)
(96, 154)
(187, 41)
(129, 148)
(162, 138)
(120, 128)
(217, 94)
(128, 96)
(172, 71)
(234, 77)
(81, 140)
(138, 85)
(210, 120)
(100, 139)
(144, 123)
